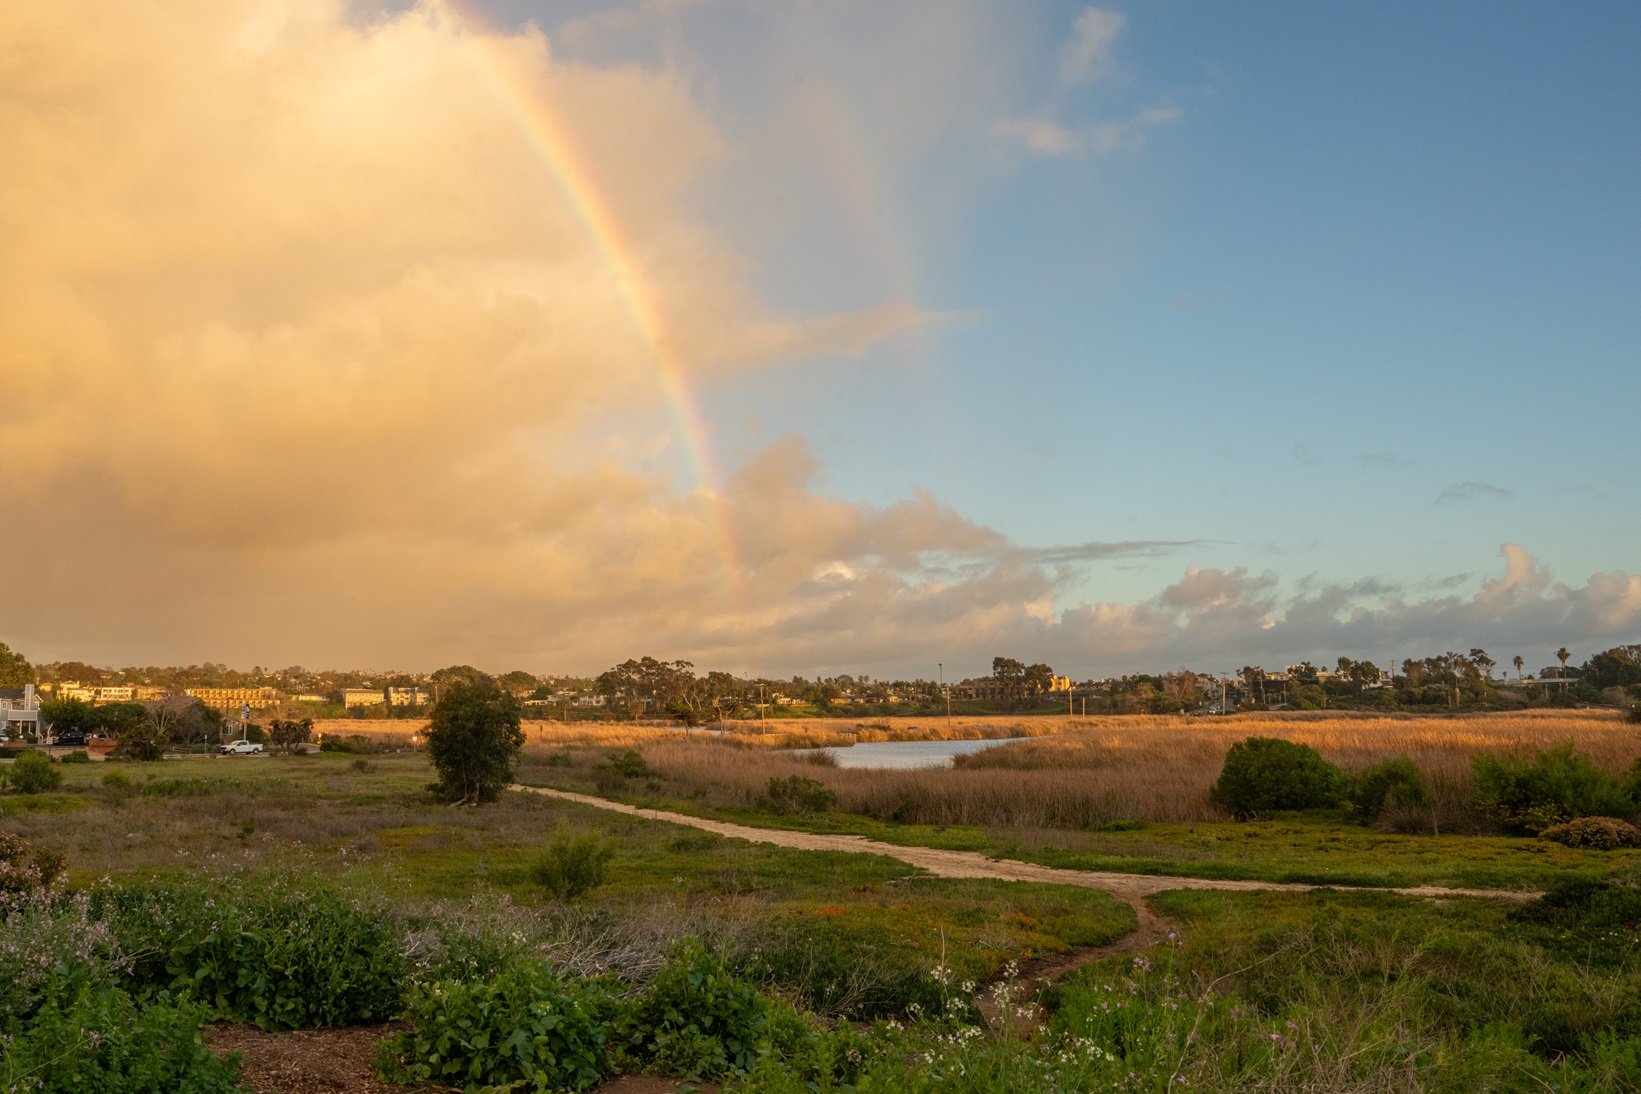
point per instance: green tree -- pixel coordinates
(15, 671)
(1518, 661)
(1562, 655)
(32, 773)
(474, 740)
(1263, 775)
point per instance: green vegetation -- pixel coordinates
(474, 740)
(309, 892)
(1528, 796)
(32, 773)
(572, 864)
(1265, 775)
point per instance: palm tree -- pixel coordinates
(1518, 662)
(1562, 655)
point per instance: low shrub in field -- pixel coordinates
(695, 1018)
(1555, 786)
(1594, 920)
(32, 773)
(50, 946)
(1264, 775)
(100, 1040)
(280, 957)
(835, 971)
(76, 757)
(24, 868)
(797, 794)
(628, 764)
(1601, 833)
(1392, 784)
(572, 864)
(522, 1026)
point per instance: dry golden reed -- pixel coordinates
(1101, 769)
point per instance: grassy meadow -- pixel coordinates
(832, 971)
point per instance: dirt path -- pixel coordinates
(1132, 888)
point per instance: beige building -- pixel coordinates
(231, 699)
(362, 697)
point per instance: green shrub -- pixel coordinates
(1263, 775)
(25, 869)
(1394, 783)
(79, 756)
(835, 971)
(628, 764)
(1556, 786)
(474, 740)
(32, 773)
(559, 759)
(101, 1041)
(796, 794)
(572, 864)
(696, 1019)
(1600, 833)
(522, 1026)
(1587, 918)
(277, 956)
(116, 780)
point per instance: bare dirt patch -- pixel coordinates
(322, 1061)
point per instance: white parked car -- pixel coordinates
(240, 748)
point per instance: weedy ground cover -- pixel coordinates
(702, 956)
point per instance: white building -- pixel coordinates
(362, 697)
(19, 705)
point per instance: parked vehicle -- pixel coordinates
(69, 738)
(240, 748)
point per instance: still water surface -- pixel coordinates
(904, 754)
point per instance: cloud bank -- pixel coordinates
(307, 355)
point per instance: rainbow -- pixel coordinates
(551, 145)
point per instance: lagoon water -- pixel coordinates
(905, 754)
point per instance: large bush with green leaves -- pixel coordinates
(1388, 784)
(281, 956)
(32, 773)
(832, 970)
(1265, 775)
(521, 1026)
(696, 1018)
(99, 1040)
(1527, 796)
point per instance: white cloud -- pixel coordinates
(1473, 491)
(1040, 135)
(1088, 56)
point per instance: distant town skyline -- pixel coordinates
(845, 338)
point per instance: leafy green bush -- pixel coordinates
(695, 1018)
(572, 864)
(836, 971)
(79, 756)
(559, 759)
(1556, 786)
(277, 956)
(628, 764)
(522, 1026)
(1592, 919)
(796, 794)
(32, 773)
(99, 1040)
(1263, 775)
(1601, 833)
(116, 780)
(1395, 783)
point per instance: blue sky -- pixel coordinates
(1120, 337)
(1370, 304)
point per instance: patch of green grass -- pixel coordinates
(15, 805)
(1311, 849)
